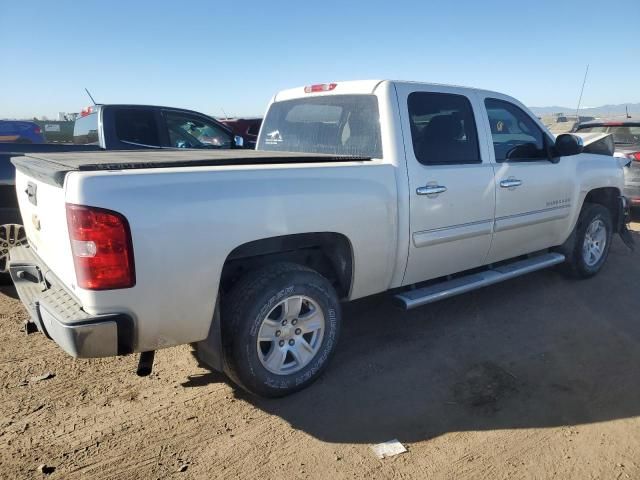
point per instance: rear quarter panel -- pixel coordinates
(185, 222)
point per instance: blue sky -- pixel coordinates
(211, 55)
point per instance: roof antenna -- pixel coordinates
(581, 91)
(94, 102)
(226, 117)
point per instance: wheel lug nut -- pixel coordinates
(292, 341)
(298, 331)
(294, 321)
(284, 322)
(281, 343)
(278, 333)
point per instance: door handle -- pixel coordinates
(510, 183)
(431, 190)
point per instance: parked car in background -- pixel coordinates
(626, 137)
(104, 127)
(248, 253)
(18, 131)
(117, 127)
(247, 128)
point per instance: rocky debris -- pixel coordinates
(40, 378)
(46, 469)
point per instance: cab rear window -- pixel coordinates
(333, 124)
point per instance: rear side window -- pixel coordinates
(85, 130)
(516, 137)
(137, 126)
(331, 124)
(443, 130)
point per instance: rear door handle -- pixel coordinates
(510, 183)
(431, 190)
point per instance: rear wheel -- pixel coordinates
(280, 328)
(11, 235)
(592, 241)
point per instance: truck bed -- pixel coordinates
(53, 167)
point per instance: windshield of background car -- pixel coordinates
(332, 124)
(622, 134)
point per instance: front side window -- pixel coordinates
(516, 137)
(191, 131)
(443, 130)
(332, 124)
(137, 126)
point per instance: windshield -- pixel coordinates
(333, 124)
(622, 134)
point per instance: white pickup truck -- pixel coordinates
(425, 190)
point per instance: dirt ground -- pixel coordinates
(534, 378)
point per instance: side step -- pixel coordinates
(422, 296)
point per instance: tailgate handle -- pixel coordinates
(32, 192)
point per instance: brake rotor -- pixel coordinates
(11, 235)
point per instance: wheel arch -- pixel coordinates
(329, 253)
(608, 197)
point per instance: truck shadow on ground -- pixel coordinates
(539, 351)
(9, 290)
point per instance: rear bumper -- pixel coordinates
(60, 317)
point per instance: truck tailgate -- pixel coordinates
(44, 215)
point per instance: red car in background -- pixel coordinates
(247, 128)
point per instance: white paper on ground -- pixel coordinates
(388, 449)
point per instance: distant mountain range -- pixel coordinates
(603, 111)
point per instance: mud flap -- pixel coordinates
(624, 215)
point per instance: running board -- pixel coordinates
(422, 296)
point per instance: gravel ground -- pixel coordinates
(534, 378)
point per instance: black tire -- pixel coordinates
(576, 264)
(249, 303)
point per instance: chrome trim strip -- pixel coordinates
(510, 222)
(144, 145)
(449, 234)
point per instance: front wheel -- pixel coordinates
(592, 241)
(280, 328)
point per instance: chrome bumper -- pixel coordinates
(58, 315)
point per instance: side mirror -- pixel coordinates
(567, 145)
(238, 141)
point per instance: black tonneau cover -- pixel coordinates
(53, 167)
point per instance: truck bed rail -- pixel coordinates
(52, 168)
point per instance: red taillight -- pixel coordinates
(321, 87)
(101, 247)
(37, 130)
(634, 156)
